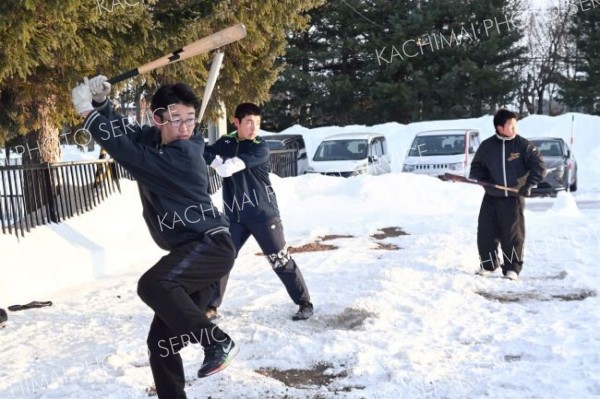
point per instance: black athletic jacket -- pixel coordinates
(247, 195)
(172, 178)
(508, 162)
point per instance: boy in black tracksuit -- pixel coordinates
(505, 159)
(242, 158)
(172, 177)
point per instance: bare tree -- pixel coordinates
(546, 35)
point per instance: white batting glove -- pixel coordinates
(229, 167)
(219, 167)
(81, 96)
(234, 165)
(218, 161)
(100, 88)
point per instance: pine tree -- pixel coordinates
(406, 61)
(322, 82)
(584, 91)
(458, 58)
(249, 66)
(47, 46)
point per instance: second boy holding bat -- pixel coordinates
(242, 159)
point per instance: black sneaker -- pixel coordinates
(3, 317)
(217, 356)
(211, 313)
(305, 311)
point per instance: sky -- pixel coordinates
(408, 321)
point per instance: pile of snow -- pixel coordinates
(585, 144)
(75, 153)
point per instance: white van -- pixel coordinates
(352, 154)
(436, 152)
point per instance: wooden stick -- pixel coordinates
(462, 179)
(200, 46)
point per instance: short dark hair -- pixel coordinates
(502, 116)
(177, 93)
(246, 109)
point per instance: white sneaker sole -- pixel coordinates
(512, 276)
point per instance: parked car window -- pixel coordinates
(384, 145)
(550, 148)
(274, 145)
(340, 150)
(446, 144)
(473, 143)
(377, 148)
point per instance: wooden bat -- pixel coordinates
(462, 179)
(200, 46)
(215, 68)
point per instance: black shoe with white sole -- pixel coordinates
(304, 312)
(217, 356)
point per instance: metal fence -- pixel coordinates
(214, 181)
(34, 195)
(284, 163)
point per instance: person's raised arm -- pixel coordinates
(117, 141)
(255, 155)
(100, 88)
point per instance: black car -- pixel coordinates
(561, 167)
(289, 142)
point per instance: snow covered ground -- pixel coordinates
(406, 321)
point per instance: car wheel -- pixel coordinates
(573, 186)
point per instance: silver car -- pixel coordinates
(561, 167)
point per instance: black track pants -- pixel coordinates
(178, 288)
(501, 221)
(270, 238)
